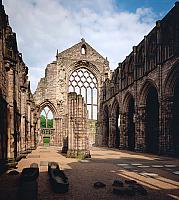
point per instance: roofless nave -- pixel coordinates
(136, 106)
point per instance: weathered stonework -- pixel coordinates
(143, 91)
(53, 89)
(78, 139)
(138, 104)
(17, 127)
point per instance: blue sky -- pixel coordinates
(158, 6)
(112, 27)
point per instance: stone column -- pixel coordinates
(123, 130)
(113, 131)
(103, 134)
(167, 140)
(32, 129)
(23, 119)
(140, 129)
(28, 125)
(77, 137)
(58, 131)
(10, 100)
(111, 136)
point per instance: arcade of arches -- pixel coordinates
(81, 102)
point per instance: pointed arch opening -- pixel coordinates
(84, 82)
(152, 121)
(172, 112)
(116, 125)
(131, 124)
(106, 126)
(83, 49)
(175, 119)
(46, 118)
(47, 113)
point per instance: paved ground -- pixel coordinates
(159, 175)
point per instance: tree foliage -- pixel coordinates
(50, 123)
(43, 122)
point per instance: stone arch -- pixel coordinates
(170, 81)
(116, 123)
(49, 104)
(47, 134)
(84, 64)
(87, 85)
(129, 106)
(127, 96)
(149, 99)
(171, 102)
(144, 89)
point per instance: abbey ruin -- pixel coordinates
(134, 107)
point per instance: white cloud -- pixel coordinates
(42, 26)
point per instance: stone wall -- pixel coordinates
(17, 127)
(52, 90)
(146, 73)
(78, 139)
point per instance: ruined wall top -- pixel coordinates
(156, 48)
(54, 86)
(82, 51)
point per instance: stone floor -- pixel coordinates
(158, 175)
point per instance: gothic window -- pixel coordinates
(46, 118)
(83, 82)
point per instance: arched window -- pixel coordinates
(46, 118)
(83, 82)
(83, 50)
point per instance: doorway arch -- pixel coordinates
(175, 121)
(130, 123)
(152, 121)
(116, 124)
(106, 126)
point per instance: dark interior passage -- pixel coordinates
(117, 138)
(152, 121)
(175, 121)
(131, 125)
(106, 126)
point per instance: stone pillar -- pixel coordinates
(32, 129)
(58, 125)
(23, 102)
(167, 140)
(123, 129)
(140, 129)
(99, 138)
(40, 138)
(77, 126)
(10, 100)
(111, 133)
(28, 125)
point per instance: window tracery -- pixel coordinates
(83, 82)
